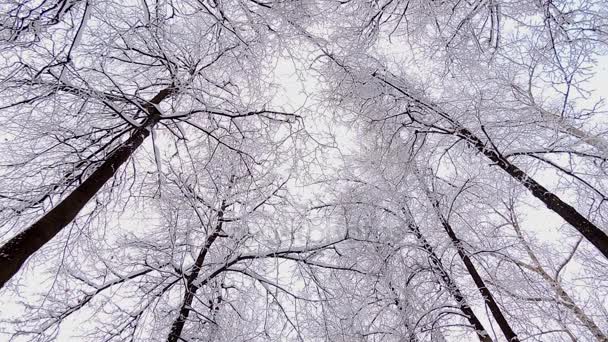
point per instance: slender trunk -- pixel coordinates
(452, 287)
(560, 123)
(590, 231)
(411, 331)
(178, 325)
(593, 140)
(479, 282)
(17, 250)
(567, 301)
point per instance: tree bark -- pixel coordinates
(567, 301)
(590, 231)
(452, 287)
(598, 142)
(481, 286)
(178, 325)
(17, 250)
(411, 331)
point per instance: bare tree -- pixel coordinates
(207, 265)
(406, 259)
(140, 83)
(553, 281)
(445, 46)
(168, 181)
(24, 22)
(485, 292)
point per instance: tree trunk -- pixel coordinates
(593, 140)
(590, 231)
(178, 325)
(17, 250)
(411, 331)
(449, 283)
(560, 123)
(481, 286)
(567, 301)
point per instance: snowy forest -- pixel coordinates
(303, 170)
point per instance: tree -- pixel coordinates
(139, 82)
(245, 170)
(206, 268)
(450, 114)
(553, 281)
(25, 23)
(401, 262)
(485, 292)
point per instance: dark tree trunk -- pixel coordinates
(178, 325)
(17, 250)
(451, 285)
(481, 286)
(590, 231)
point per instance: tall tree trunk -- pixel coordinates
(17, 250)
(560, 123)
(178, 325)
(452, 287)
(567, 300)
(479, 282)
(590, 231)
(411, 331)
(600, 144)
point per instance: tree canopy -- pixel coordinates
(319, 170)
